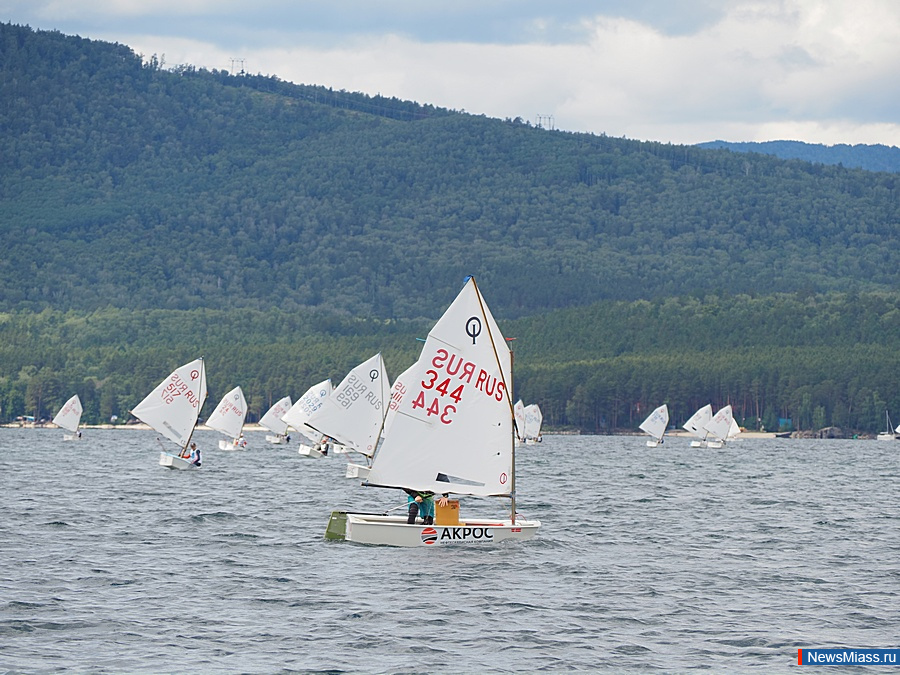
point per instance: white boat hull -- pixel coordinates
(394, 531)
(276, 440)
(229, 445)
(886, 437)
(175, 462)
(357, 471)
(652, 443)
(698, 444)
(71, 437)
(307, 451)
(715, 445)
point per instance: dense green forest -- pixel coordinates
(124, 184)
(868, 157)
(287, 232)
(815, 360)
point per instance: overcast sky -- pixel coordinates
(679, 71)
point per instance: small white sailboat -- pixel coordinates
(697, 426)
(304, 407)
(69, 418)
(889, 434)
(655, 425)
(519, 416)
(228, 418)
(719, 426)
(172, 410)
(273, 422)
(353, 415)
(452, 433)
(534, 418)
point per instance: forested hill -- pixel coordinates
(124, 184)
(868, 157)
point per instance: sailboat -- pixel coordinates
(273, 422)
(655, 425)
(354, 413)
(889, 434)
(719, 426)
(304, 407)
(228, 418)
(533, 420)
(697, 425)
(519, 416)
(69, 417)
(172, 410)
(452, 433)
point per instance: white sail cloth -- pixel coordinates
(453, 429)
(229, 415)
(354, 412)
(173, 407)
(69, 416)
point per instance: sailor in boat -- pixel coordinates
(420, 503)
(195, 455)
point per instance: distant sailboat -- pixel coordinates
(354, 413)
(697, 425)
(228, 418)
(305, 407)
(519, 417)
(719, 426)
(172, 410)
(273, 422)
(69, 418)
(655, 425)
(533, 421)
(888, 434)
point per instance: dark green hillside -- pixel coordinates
(125, 185)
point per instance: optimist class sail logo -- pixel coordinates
(429, 535)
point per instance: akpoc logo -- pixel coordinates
(430, 535)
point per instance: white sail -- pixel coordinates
(69, 416)
(733, 430)
(519, 416)
(533, 420)
(656, 422)
(453, 430)
(354, 413)
(173, 407)
(228, 417)
(398, 392)
(720, 424)
(272, 419)
(307, 405)
(698, 421)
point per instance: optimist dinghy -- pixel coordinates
(655, 425)
(172, 410)
(69, 417)
(228, 418)
(352, 417)
(273, 422)
(452, 433)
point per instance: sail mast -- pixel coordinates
(199, 407)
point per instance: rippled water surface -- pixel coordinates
(669, 558)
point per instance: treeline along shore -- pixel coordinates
(784, 362)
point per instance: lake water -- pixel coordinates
(663, 559)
